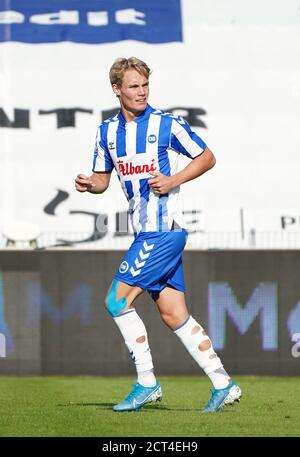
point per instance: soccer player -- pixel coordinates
(143, 145)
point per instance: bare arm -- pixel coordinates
(97, 183)
(195, 168)
(162, 184)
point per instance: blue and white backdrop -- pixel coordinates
(231, 68)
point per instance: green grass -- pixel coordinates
(81, 406)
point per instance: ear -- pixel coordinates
(116, 89)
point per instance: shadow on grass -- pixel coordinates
(72, 404)
(149, 408)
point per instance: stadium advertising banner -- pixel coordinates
(52, 318)
(233, 75)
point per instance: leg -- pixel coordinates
(120, 297)
(120, 304)
(173, 311)
(172, 307)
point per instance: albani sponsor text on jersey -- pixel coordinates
(130, 169)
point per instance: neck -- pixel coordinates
(130, 115)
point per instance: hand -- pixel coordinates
(160, 184)
(83, 183)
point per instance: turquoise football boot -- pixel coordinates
(223, 397)
(138, 397)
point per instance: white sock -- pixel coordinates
(192, 335)
(146, 378)
(220, 378)
(134, 333)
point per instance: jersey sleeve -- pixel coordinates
(184, 140)
(102, 159)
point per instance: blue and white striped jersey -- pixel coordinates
(152, 142)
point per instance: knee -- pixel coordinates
(114, 306)
(172, 320)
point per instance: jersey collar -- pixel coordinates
(144, 115)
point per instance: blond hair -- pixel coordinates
(120, 65)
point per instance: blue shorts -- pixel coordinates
(154, 260)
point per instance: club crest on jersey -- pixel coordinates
(123, 267)
(152, 138)
(128, 168)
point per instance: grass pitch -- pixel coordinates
(81, 406)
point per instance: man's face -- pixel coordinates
(134, 91)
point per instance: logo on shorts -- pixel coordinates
(152, 138)
(123, 267)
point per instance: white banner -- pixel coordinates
(235, 77)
